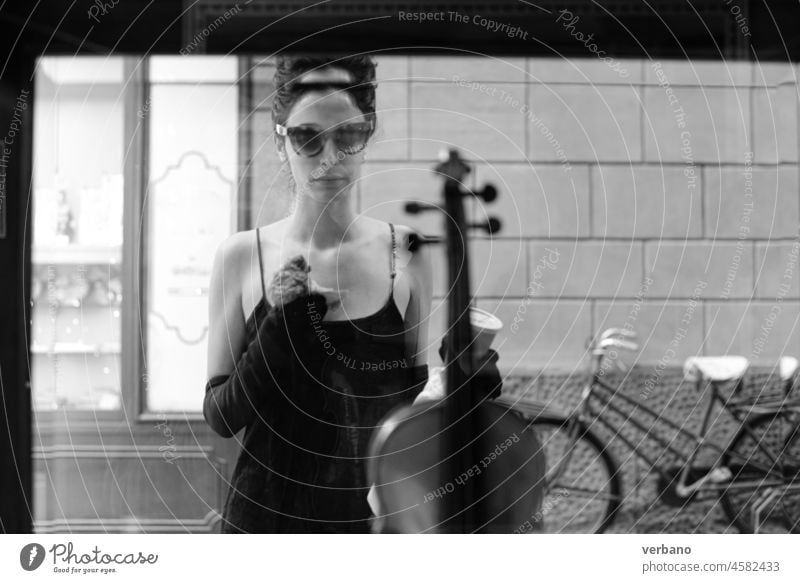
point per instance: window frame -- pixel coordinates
(241, 212)
(80, 419)
(136, 167)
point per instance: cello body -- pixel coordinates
(411, 487)
(462, 463)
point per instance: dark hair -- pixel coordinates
(289, 68)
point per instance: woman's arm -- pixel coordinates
(265, 369)
(226, 325)
(226, 341)
(243, 376)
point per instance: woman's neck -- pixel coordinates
(322, 223)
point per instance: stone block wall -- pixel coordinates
(667, 200)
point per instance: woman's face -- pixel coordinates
(332, 171)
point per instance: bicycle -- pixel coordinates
(756, 476)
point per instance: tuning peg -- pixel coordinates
(414, 208)
(415, 241)
(492, 225)
(488, 193)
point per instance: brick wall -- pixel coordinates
(624, 200)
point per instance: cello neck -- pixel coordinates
(460, 417)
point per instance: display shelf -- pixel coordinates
(76, 254)
(42, 305)
(61, 348)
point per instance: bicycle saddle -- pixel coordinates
(717, 369)
(788, 366)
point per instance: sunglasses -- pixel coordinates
(309, 140)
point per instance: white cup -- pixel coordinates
(485, 327)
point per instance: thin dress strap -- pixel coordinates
(260, 266)
(394, 251)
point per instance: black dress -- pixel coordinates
(303, 462)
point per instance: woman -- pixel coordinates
(339, 334)
(338, 337)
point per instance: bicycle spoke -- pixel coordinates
(583, 492)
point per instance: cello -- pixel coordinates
(461, 464)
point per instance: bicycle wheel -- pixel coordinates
(583, 490)
(758, 480)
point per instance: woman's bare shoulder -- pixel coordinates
(274, 231)
(406, 235)
(412, 258)
(230, 252)
(241, 245)
(235, 273)
(379, 229)
(236, 256)
(237, 242)
(409, 249)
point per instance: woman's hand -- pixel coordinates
(289, 282)
(292, 281)
(483, 371)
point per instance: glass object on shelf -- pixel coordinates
(65, 220)
(75, 335)
(76, 285)
(100, 215)
(77, 233)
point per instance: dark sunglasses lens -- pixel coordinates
(306, 141)
(352, 139)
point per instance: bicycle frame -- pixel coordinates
(584, 413)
